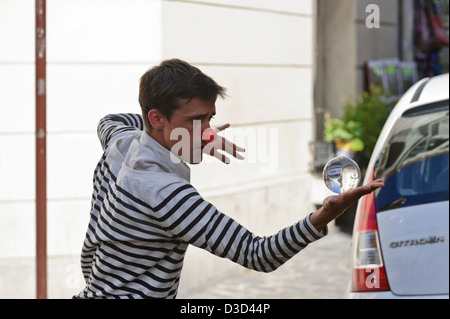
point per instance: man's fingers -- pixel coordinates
(227, 146)
(233, 149)
(221, 157)
(221, 128)
(221, 143)
(334, 206)
(370, 187)
(350, 197)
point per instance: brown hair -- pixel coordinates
(163, 86)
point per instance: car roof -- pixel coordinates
(435, 89)
(425, 91)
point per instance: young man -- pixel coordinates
(145, 212)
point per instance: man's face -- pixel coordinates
(182, 134)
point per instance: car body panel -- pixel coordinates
(413, 227)
(412, 238)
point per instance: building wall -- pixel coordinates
(345, 43)
(262, 51)
(336, 55)
(378, 43)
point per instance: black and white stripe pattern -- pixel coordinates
(138, 234)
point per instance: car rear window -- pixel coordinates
(414, 160)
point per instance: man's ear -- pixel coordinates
(156, 119)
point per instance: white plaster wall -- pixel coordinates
(262, 51)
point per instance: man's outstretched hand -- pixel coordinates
(334, 206)
(223, 145)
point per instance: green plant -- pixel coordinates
(344, 134)
(361, 123)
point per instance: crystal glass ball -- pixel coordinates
(341, 174)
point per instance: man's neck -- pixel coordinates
(157, 137)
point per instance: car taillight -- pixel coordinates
(369, 274)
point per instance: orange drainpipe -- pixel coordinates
(41, 152)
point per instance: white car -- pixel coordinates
(401, 232)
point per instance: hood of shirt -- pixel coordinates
(146, 154)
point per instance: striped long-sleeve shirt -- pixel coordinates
(145, 213)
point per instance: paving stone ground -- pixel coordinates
(321, 271)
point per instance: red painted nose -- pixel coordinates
(209, 135)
